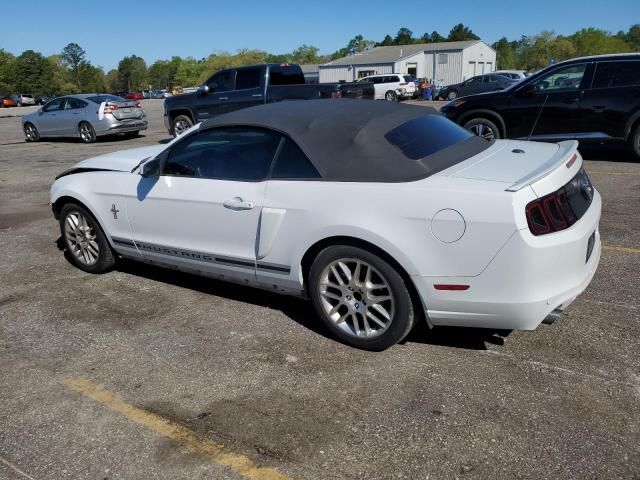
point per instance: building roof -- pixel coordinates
(346, 140)
(395, 53)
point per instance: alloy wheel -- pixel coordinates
(85, 132)
(483, 130)
(30, 132)
(81, 238)
(356, 297)
(180, 127)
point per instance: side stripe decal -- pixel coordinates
(200, 256)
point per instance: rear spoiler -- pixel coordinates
(565, 150)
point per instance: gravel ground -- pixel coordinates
(257, 372)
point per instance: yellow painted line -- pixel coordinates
(176, 432)
(618, 248)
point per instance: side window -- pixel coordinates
(489, 79)
(617, 74)
(567, 78)
(73, 103)
(292, 163)
(376, 80)
(237, 153)
(248, 78)
(54, 105)
(221, 81)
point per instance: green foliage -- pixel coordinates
(460, 33)
(387, 41)
(74, 58)
(433, 37)
(404, 37)
(7, 73)
(33, 74)
(132, 73)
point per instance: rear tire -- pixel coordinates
(391, 96)
(87, 133)
(132, 134)
(181, 124)
(634, 142)
(360, 297)
(85, 243)
(483, 127)
(31, 133)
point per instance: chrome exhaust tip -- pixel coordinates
(552, 317)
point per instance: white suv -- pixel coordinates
(23, 99)
(392, 86)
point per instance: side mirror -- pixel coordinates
(203, 89)
(529, 91)
(151, 169)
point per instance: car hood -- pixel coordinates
(506, 161)
(122, 161)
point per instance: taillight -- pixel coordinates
(109, 108)
(336, 94)
(562, 208)
(403, 84)
(138, 105)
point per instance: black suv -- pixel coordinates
(593, 99)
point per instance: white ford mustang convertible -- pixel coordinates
(382, 214)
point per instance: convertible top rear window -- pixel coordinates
(423, 136)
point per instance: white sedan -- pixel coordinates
(382, 214)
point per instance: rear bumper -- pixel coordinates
(124, 126)
(528, 279)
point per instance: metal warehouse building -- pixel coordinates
(446, 63)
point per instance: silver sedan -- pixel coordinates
(86, 116)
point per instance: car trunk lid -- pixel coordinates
(125, 109)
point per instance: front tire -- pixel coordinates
(360, 297)
(391, 96)
(87, 133)
(452, 95)
(181, 124)
(634, 142)
(484, 128)
(84, 240)
(31, 133)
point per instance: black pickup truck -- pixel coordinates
(245, 87)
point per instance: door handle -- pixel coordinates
(236, 203)
(257, 95)
(223, 98)
(599, 108)
(571, 100)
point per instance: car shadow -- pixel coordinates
(164, 141)
(105, 139)
(606, 152)
(300, 310)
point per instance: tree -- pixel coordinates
(34, 74)
(112, 81)
(7, 73)
(592, 41)
(507, 57)
(459, 33)
(305, 54)
(437, 38)
(162, 73)
(74, 57)
(190, 72)
(132, 72)
(633, 36)
(387, 41)
(92, 79)
(403, 37)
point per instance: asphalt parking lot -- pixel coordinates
(143, 373)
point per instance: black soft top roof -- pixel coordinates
(345, 139)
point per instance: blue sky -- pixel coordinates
(159, 29)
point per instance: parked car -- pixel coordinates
(86, 116)
(135, 96)
(513, 74)
(392, 86)
(383, 214)
(479, 84)
(238, 88)
(24, 100)
(157, 94)
(42, 99)
(590, 99)
(8, 102)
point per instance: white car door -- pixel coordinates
(202, 211)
